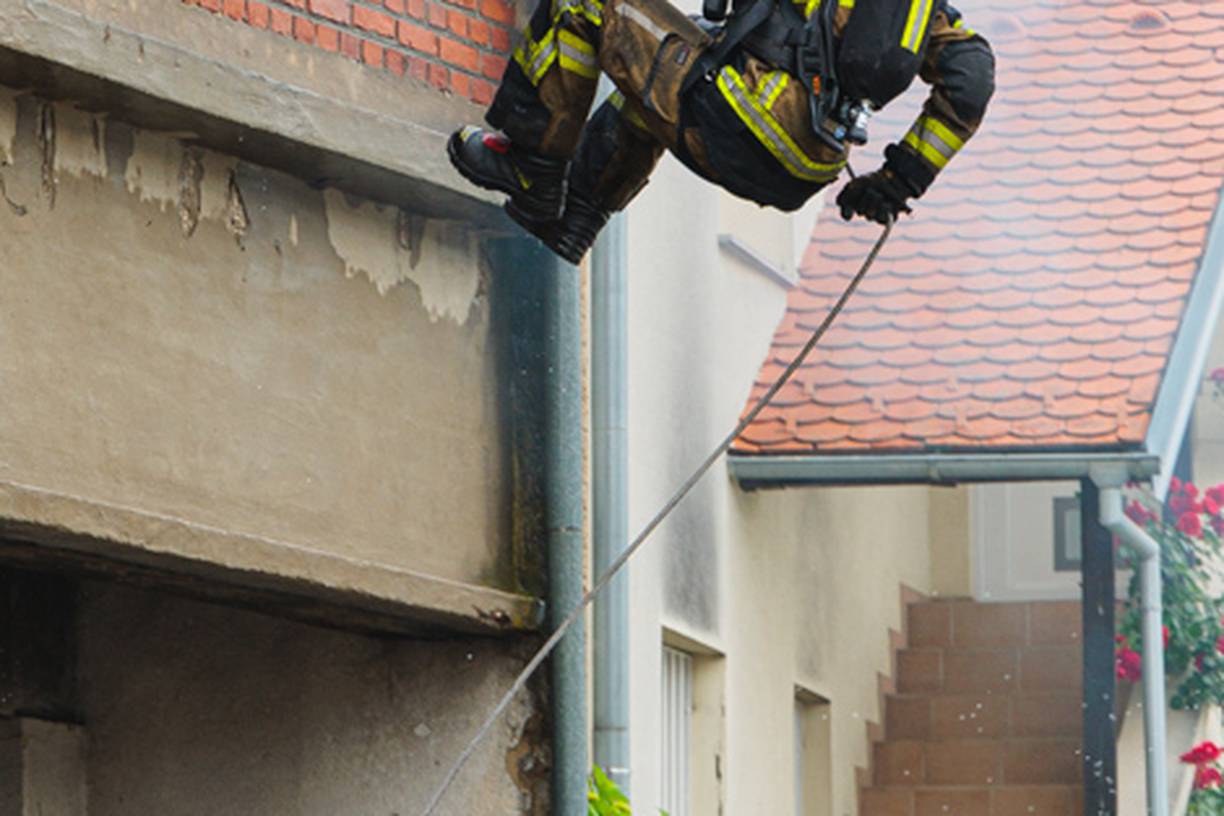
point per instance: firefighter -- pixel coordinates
(766, 105)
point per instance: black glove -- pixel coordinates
(878, 196)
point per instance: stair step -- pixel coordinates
(982, 715)
(977, 762)
(957, 671)
(1007, 800)
(971, 625)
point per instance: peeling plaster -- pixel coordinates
(46, 144)
(374, 240)
(215, 203)
(153, 168)
(80, 143)
(8, 124)
(198, 183)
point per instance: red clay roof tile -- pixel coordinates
(1032, 300)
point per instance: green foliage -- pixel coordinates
(1206, 802)
(604, 798)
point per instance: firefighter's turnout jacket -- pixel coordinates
(744, 124)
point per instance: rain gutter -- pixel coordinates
(1180, 385)
(753, 471)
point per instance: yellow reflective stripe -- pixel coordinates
(773, 89)
(846, 3)
(961, 25)
(577, 55)
(916, 24)
(769, 133)
(811, 6)
(941, 130)
(535, 58)
(617, 99)
(590, 9)
(927, 151)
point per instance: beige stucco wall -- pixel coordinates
(787, 589)
(194, 709)
(202, 340)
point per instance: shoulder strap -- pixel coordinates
(737, 28)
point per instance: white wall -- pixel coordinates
(792, 588)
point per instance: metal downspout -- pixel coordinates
(551, 300)
(610, 500)
(1114, 519)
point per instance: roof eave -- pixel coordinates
(1184, 370)
(754, 471)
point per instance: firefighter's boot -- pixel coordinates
(535, 184)
(570, 237)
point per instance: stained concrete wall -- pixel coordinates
(203, 342)
(778, 590)
(195, 709)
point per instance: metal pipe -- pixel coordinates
(1114, 518)
(563, 495)
(610, 496)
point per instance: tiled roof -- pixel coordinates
(1033, 297)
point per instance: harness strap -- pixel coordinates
(739, 27)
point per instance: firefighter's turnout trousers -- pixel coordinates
(744, 126)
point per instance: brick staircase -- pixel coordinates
(985, 719)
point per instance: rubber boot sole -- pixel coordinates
(546, 231)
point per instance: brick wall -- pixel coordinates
(458, 46)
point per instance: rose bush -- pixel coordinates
(1208, 796)
(1189, 532)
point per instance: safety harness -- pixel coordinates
(879, 54)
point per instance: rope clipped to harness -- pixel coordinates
(602, 582)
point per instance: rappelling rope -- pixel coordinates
(636, 544)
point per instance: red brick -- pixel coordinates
(303, 30)
(470, 5)
(501, 40)
(337, 10)
(416, 8)
(459, 83)
(297, 4)
(327, 38)
(498, 11)
(439, 77)
(396, 6)
(350, 46)
(492, 67)
(257, 14)
(457, 23)
(457, 53)
(191, 2)
(211, 5)
(371, 53)
(282, 21)
(418, 38)
(235, 9)
(437, 15)
(482, 92)
(419, 70)
(376, 21)
(396, 62)
(478, 32)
